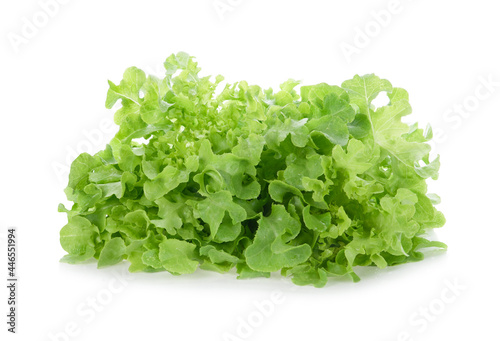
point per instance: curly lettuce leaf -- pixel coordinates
(312, 181)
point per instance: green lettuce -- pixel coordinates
(312, 182)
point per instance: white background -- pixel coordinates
(53, 86)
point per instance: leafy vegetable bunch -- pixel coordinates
(309, 182)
